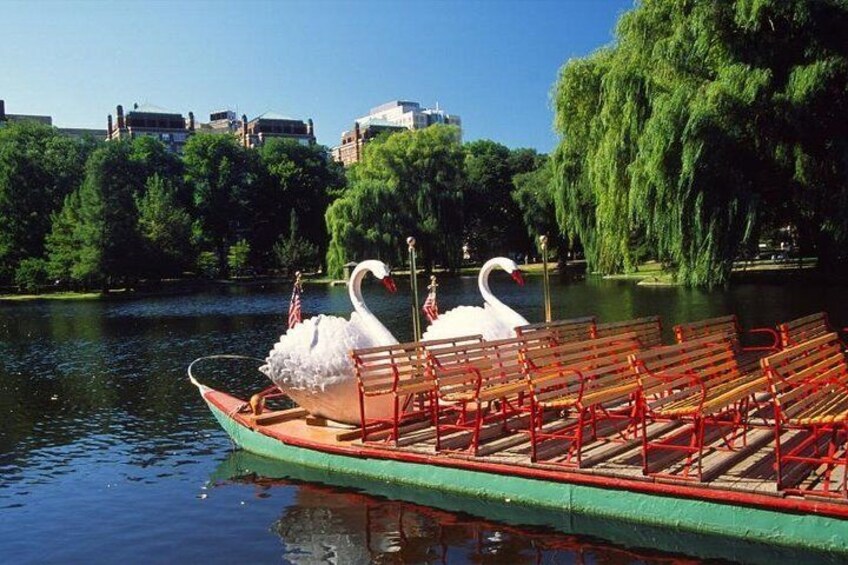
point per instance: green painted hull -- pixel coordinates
(703, 528)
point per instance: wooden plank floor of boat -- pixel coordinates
(747, 468)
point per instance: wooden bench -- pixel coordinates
(802, 329)
(562, 331)
(648, 330)
(398, 371)
(470, 380)
(592, 377)
(809, 385)
(747, 356)
(699, 383)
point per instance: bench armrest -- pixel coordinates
(775, 340)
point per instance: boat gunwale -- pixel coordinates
(775, 502)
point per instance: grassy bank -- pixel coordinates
(68, 296)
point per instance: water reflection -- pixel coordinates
(337, 525)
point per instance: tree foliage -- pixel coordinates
(492, 218)
(534, 197)
(222, 174)
(38, 169)
(165, 228)
(296, 178)
(409, 183)
(704, 122)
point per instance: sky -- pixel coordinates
(491, 62)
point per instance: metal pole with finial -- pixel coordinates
(413, 281)
(543, 244)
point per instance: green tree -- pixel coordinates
(165, 229)
(409, 183)
(534, 196)
(109, 247)
(63, 243)
(222, 174)
(154, 158)
(704, 122)
(492, 219)
(38, 168)
(297, 178)
(31, 274)
(238, 256)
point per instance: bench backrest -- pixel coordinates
(384, 367)
(562, 331)
(648, 330)
(799, 330)
(726, 325)
(799, 373)
(709, 360)
(575, 367)
(496, 362)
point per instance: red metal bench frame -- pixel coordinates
(811, 376)
(703, 378)
(599, 371)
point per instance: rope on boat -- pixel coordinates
(197, 383)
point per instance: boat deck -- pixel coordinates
(742, 475)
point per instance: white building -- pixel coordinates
(388, 117)
(410, 115)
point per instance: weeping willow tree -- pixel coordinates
(409, 183)
(702, 123)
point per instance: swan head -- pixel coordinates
(381, 272)
(510, 267)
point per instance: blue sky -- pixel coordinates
(491, 62)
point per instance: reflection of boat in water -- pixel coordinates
(358, 520)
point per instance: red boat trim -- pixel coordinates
(795, 506)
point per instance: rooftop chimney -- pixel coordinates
(109, 126)
(244, 138)
(309, 127)
(2, 110)
(120, 112)
(191, 121)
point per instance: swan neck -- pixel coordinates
(483, 283)
(377, 331)
(510, 316)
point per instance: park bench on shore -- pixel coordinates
(747, 356)
(809, 386)
(593, 378)
(398, 371)
(480, 383)
(805, 328)
(562, 331)
(648, 330)
(697, 382)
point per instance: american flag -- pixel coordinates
(295, 316)
(431, 307)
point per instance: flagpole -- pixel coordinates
(543, 243)
(413, 280)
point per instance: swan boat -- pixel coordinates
(736, 496)
(568, 497)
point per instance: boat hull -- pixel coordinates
(771, 520)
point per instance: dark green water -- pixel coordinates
(107, 453)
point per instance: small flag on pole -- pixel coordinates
(295, 314)
(431, 307)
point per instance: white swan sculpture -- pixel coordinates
(311, 363)
(495, 320)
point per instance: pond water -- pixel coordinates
(107, 454)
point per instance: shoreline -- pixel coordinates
(650, 275)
